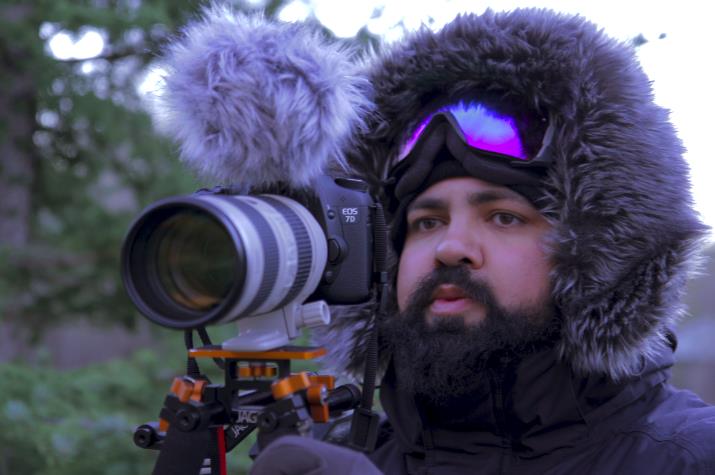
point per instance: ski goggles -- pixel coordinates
(496, 145)
(484, 129)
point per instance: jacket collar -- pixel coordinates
(534, 406)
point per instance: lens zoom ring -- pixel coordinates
(270, 255)
(305, 250)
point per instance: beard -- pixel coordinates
(445, 359)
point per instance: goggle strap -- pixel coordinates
(429, 146)
(545, 157)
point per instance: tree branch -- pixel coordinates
(112, 56)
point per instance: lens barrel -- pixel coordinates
(210, 258)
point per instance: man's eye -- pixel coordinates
(506, 219)
(424, 224)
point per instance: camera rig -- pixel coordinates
(200, 422)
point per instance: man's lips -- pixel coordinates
(449, 299)
(448, 292)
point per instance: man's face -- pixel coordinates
(473, 280)
(492, 231)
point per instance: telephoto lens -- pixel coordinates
(210, 258)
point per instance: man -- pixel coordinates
(543, 223)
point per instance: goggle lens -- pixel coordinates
(483, 129)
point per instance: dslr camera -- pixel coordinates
(272, 261)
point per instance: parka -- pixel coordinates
(544, 419)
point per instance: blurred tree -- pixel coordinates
(640, 39)
(78, 154)
(78, 157)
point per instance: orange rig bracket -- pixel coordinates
(282, 382)
(283, 353)
(256, 370)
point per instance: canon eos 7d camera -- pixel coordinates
(274, 261)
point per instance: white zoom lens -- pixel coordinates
(208, 258)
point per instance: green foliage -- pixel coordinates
(96, 158)
(82, 421)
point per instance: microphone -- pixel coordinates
(254, 102)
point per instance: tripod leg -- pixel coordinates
(183, 453)
(218, 455)
(193, 453)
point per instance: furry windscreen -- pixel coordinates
(256, 102)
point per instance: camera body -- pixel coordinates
(269, 260)
(343, 208)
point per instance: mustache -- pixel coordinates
(460, 276)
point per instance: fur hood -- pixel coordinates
(625, 235)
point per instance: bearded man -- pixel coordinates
(543, 230)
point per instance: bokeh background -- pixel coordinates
(79, 158)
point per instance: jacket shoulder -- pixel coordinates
(677, 435)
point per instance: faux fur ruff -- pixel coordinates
(625, 234)
(255, 102)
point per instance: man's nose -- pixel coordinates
(460, 245)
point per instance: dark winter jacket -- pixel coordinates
(541, 418)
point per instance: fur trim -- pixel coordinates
(345, 339)
(255, 102)
(625, 234)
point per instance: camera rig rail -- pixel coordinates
(200, 422)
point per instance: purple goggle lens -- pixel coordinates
(483, 129)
